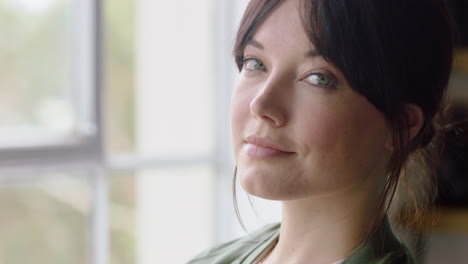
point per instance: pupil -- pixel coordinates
(323, 80)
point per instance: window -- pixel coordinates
(49, 131)
(114, 139)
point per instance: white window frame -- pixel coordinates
(84, 152)
(86, 148)
(87, 151)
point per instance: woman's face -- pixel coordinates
(298, 129)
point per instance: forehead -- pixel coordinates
(283, 29)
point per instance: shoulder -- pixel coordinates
(383, 247)
(236, 250)
(401, 256)
(393, 255)
(398, 258)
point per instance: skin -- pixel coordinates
(338, 144)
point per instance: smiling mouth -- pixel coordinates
(260, 152)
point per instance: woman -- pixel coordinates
(335, 98)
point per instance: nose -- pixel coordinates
(270, 102)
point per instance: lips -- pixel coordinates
(263, 148)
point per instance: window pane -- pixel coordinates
(175, 76)
(45, 219)
(122, 224)
(161, 215)
(160, 84)
(38, 64)
(119, 80)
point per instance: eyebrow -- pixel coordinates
(312, 53)
(253, 42)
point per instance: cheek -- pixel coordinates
(343, 138)
(320, 128)
(327, 128)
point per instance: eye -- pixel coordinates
(320, 79)
(252, 64)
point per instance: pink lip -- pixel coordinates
(262, 148)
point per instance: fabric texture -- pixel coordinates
(383, 247)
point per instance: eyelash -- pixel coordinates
(331, 77)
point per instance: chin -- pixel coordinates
(255, 183)
(270, 186)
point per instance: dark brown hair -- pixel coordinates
(393, 52)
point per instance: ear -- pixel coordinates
(414, 118)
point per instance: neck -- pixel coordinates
(326, 228)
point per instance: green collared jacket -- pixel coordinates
(383, 247)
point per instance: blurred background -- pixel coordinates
(114, 134)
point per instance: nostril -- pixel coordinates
(269, 119)
(269, 112)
